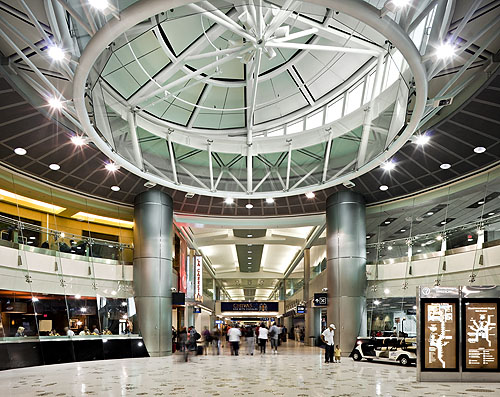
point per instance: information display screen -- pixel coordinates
(481, 335)
(440, 331)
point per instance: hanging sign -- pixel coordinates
(198, 274)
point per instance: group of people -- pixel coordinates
(187, 339)
(69, 332)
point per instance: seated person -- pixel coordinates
(84, 331)
(107, 332)
(53, 333)
(20, 332)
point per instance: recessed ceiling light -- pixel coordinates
(445, 51)
(78, 140)
(430, 213)
(54, 167)
(376, 302)
(368, 236)
(249, 206)
(384, 188)
(445, 166)
(250, 235)
(249, 245)
(20, 151)
(480, 149)
(419, 250)
(387, 222)
(34, 299)
(249, 257)
(99, 4)
(115, 188)
(55, 103)
(443, 223)
(422, 139)
(56, 53)
(480, 202)
(310, 195)
(403, 230)
(387, 291)
(269, 200)
(229, 200)
(249, 252)
(112, 167)
(78, 296)
(388, 166)
(491, 213)
(389, 247)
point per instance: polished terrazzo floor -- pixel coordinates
(295, 371)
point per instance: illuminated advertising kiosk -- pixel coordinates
(458, 334)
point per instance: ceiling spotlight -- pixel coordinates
(384, 188)
(99, 4)
(403, 230)
(113, 292)
(479, 149)
(249, 257)
(388, 166)
(269, 200)
(491, 213)
(115, 188)
(445, 166)
(78, 140)
(55, 103)
(249, 235)
(387, 291)
(54, 167)
(389, 247)
(56, 53)
(443, 223)
(20, 151)
(439, 238)
(415, 307)
(430, 213)
(480, 202)
(422, 139)
(445, 51)
(78, 296)
(387, 222)
(249, 206)
(376, 302)
(34, 299)
(112, 167)
(229, 200)
(310, 195)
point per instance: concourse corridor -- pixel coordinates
(297, 370)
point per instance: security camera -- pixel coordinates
(173, 289)
(325, 290)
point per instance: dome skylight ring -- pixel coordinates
(139, 12)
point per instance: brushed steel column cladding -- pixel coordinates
(308, 316)
(346, 267)
(153, 217)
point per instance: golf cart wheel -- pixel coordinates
(404, 360)
(356, 356)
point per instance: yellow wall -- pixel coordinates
(66, 225)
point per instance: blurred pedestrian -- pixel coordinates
(274, 334)
(250, 339)
(216, 334)
(234, 335)
(263, 335)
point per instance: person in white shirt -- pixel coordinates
(263, 333)
(327, 338)
(69, 332)
(274, 333)
(234, 335)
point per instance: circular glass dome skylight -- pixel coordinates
(243, 100)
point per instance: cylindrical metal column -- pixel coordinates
(153, 216)
(346, 266)
(308, 315)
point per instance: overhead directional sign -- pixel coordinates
(321, 299)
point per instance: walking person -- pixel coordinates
(207, 339)
(327, 338)
(216, 341)
(182, 339)
(250, 338)
(263, 335)
(234, 335)
(274, 334)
